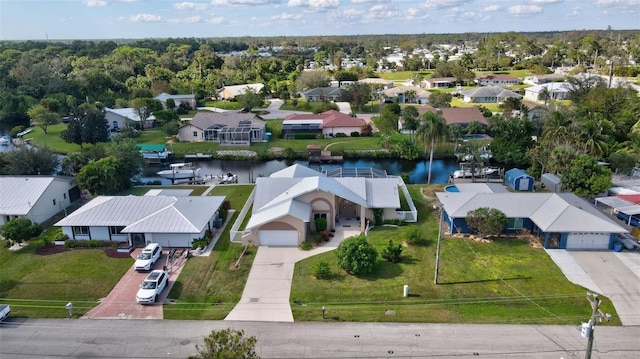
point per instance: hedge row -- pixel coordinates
(89, 243)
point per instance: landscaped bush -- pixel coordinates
(392, 252)
(305, 246)
(412, 235)
(21, 229)
(395, 221)
(340, 134)
(355, 134)
(356, 255)
(321, 224)
(320, 270)
(200, 242)
(89, 243)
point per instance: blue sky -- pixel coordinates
(115, 19)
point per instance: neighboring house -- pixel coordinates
(329, 94)
(226, 128)
(119, 118)
(37, 198)
(542, 79)
(231, 92)
(490, 94)
(518, 180)
(535, 111)
(438, 82)
(172, 221)
(406, 94)
(377, 82)
(461, 116)
(563, 220)
(189, 100)
(329, 123)
(497, 80)
(556, 90)
(287, 203)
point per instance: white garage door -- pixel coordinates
(588, 241)
(278, 238)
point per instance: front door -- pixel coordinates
(137, 240)
(347, 210)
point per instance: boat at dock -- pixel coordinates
(478, 172)
(180, 171)
(5, 141)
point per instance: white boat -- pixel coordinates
(183, 170)
(5, 140)
(478, 172)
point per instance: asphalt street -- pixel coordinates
(113, 338)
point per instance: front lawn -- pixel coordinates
(209, 287)
(506, 281)
(40, 286)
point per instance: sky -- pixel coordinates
(136, 19)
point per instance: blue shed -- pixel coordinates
(518, 180)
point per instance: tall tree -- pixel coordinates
(432, 130)
(30, 161)
(250, 99)
(42, 117)
(357, 93)
(145, 107)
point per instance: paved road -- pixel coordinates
(60, 338)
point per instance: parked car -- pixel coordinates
(152, 286)
(5, 311)
(148, 257)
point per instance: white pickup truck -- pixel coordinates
(5, 311)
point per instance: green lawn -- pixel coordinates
(209, 287)
(40, 286)
(225, 105)
(52, 139)
(459, 102)
(506, 281)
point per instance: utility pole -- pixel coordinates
(441, 208)
(596, 315)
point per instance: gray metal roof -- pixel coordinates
(481, 187)
(490, 91)
(146, 214)
(18, 194)
(551, 212)
(291, 207)
(296, 170)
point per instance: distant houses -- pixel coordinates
(119, 118)
(488, 94)
(226, 128)
(328, 124)
(230, 93)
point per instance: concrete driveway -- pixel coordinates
(121, 301)
(616, 275)
(266, 292)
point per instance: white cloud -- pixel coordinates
(414, 13)
(244, 2)
(95, 3)
(314, 5)
(358, 2)
(524, 10)
(217, 20)
(145, 18)
(441, 4)
(625, 5)
(286, 17)
(460, 14)
(546, 2)
(197, 6)
(490, 8)
(381, 12)
(185, 20)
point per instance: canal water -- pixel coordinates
(248, 171)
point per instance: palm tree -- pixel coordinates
(592, 139)
(432, 130)
(544, 95)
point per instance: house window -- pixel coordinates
(319, 215)
(116, 229)
(80, 230)
(195, 133)
(514, 223)
(64, 195)
(54, 201)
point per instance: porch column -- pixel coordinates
(362, 218)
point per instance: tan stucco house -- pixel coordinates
(287, 203)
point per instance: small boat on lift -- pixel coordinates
(478, 172)
(180, 171)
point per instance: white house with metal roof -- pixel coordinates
(564, 220)
(172, 221)
(287, 203)
(36, 198)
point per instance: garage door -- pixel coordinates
(278, 238)
(588, 241)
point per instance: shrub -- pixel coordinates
(305, 246)
(412, 235)
(21, 229)
(320, 270)
(356, 255)
(392, 252)
(321, 224)
(89, 243)
(355, 134)
(341, 134)
(486, 221)
(200, 242)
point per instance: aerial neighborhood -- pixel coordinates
(258, 179)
